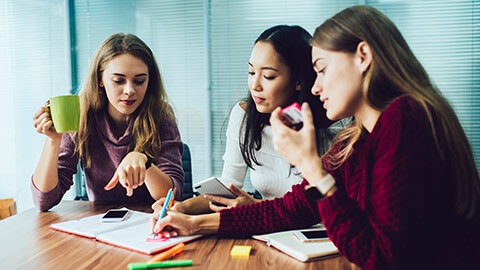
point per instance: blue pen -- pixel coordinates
(165, 205)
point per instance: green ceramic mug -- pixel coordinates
(65, 113)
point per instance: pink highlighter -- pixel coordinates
(292, 116)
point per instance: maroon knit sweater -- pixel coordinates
(394, 205)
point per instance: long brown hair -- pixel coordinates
(396, 71)
(147, 117)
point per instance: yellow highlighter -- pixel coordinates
(240, 251)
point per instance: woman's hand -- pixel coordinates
(243, 198)
(298, 147)
(175, 223)
(192, 206)
(130, 173)
(177, 206)
(43, 123)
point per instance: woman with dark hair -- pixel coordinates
(280, 73)
(399, 189)
(126, 125)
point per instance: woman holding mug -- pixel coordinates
(127, 141)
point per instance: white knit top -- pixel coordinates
(273, 178)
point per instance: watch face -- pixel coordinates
(313, 193)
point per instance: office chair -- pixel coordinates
(187, 169)
(81, 191)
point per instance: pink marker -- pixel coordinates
(157, 239)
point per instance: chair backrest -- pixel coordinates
(187, 169)
(81, 191)
(80, 188)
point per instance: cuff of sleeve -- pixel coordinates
(225, 229)
(43, 200)
(179, 187)
(335, 204)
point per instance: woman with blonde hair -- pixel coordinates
(399, 189)
(126, 125)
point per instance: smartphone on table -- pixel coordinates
(312, 235)
(213, 186)
(115, 215)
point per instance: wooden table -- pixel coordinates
(26, 242)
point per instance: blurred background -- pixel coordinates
(202, 48)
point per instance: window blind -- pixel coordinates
(34, 68)
(94, 22)
(198, 43)
(175, 32)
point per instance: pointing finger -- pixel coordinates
(113, 182)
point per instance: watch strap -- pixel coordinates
(313, 193)
(318, 192)
(149, 161)
(326, 184)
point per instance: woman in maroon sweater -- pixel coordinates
(399, 189)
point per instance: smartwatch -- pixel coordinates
(148, 164)
(318, 192)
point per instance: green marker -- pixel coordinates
(162, 264)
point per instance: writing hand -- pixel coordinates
(173, 224)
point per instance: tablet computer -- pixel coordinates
(213, 186)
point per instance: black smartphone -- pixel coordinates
(312, 235)
(115, 215)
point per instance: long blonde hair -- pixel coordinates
(396, 71)
(147, 117)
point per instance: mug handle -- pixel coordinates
(49, 110)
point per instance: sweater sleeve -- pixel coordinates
(170, 158)
(375, 236)
(234, 166)
(293, 211)
(67, 167)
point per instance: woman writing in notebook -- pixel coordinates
(280, 73)
(399, 189)
(128, 141)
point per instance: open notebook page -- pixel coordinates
(131, 233)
